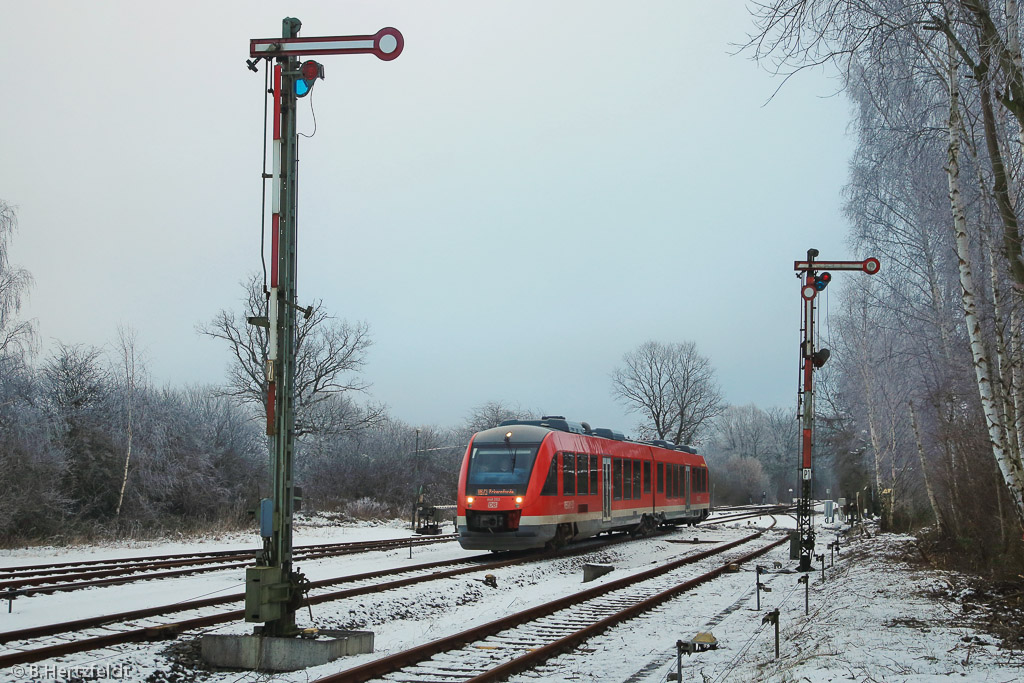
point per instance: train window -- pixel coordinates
(617, 478)
(551, 482)
(661, 477)
(636, 479)
(582, 479)
(675, 481)
(627, 479)
(593, 474)
(647, 476)
(500, 470)
(569, 474)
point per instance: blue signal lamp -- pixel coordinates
(821, 280)
(309, 72)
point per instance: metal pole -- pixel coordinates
(757, 587)
(283, 440)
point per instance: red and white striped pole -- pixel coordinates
(275, 247)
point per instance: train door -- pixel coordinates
(606, 489)
(686, 486)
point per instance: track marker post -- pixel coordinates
(814, 278)
(773, 618)
(807, 593)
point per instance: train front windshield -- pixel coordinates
(500, 470)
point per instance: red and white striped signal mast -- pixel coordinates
(814, 277)
(273, 591)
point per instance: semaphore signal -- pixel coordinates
(811, 283)
(274, 589)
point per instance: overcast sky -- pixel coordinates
(529, 191)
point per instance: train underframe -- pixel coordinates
(506, 530)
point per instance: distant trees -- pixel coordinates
(672, 387)
(382, 462)
(196, 458)
(78, 398)
(770, 439)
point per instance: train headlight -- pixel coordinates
(469, 501)
(519, 500)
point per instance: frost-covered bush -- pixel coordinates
(366, 508)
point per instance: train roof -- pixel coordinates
(555, 422)
(559, 423)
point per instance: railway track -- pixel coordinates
(68, 576)
(37, 644)
(751, 513)
(523, 640)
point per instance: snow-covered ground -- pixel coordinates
(875, 618)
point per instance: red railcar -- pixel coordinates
(542, 483)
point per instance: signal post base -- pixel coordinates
(265, 653)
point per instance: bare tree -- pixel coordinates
(78, 391)
(16, 336)
(493, 413)
(673, 388)
(329, 356)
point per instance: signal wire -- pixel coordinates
(313, 112)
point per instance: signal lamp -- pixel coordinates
(820, 357)
(308, 73)
(821, 280)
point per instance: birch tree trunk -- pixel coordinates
(1004, 389)
(1011, 471)
(873, 432)
(924, 467)
(1013, 47)
(126, 341)
(891, 515)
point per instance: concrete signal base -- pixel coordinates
(259, 653)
